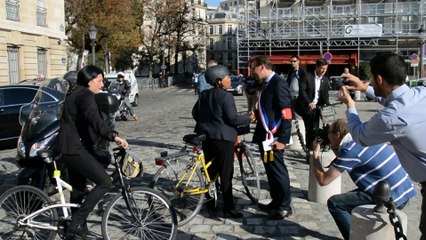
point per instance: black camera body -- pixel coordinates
(321, 134)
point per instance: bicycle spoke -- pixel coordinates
(154, 219)
(17, 203)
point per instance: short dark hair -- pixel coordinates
(87, 74)
(390, 66)
(295, 56)
(259, 60)
(321, 62)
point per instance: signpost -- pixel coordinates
(328, 56)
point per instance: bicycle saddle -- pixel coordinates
(194, 139)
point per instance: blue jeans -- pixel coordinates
(341, 205)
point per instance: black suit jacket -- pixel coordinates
(81, 123)
(302, 75)
(275, 97)
(216, 115)
(307, 93)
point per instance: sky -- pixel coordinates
(212, 3)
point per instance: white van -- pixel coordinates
(134, 90)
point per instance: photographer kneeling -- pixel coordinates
(366, 166)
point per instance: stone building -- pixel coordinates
(32, 42)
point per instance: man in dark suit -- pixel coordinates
(272, 133)
(313, 93)
(295, 75)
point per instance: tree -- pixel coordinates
(114, 19)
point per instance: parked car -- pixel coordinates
(236, 85)
(12, 98)
(134, 90)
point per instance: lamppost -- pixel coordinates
(163, 64)
(422, 36)
(92, 36)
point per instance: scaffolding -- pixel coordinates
(303, 27)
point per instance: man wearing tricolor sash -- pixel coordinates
(272, 133)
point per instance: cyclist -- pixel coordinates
(216, 116)
(81, 126)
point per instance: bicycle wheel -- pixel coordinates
(186, 206)
(249, 173)
(155, 218)
(19, 202)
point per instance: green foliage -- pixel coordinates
(123, 60)
(364, 71)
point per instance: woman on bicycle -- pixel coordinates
(81, 127)
(216, 116)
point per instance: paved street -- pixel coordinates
(165, 117)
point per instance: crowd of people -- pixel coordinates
(273, 102)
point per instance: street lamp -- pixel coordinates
(422, 36)
(92, 36)
(163, 66)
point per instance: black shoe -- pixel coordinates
(80, 231)
(232, 214)
(280, 214)
(266, 207)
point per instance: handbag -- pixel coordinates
(131, 168)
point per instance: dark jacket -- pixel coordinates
(125, 87)
(307, 93)
(81, 124)
(274, 98)
(216, 115)
(301, 73)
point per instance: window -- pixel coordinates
(211, 29)
(41, 13)
(211, 44)
(229, 43)
(12, 10)
(41, 61)
(220, 29)
(13, 61)
(19, 96)
(230, 29)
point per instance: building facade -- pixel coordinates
(345, 32)
(222, 41)
(32, 34)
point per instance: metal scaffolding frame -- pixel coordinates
(272, 27)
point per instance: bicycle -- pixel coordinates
(27, 212)
(185, 182)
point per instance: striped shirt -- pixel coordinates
(369, 165)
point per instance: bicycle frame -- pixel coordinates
(190, 169)
(60, 184)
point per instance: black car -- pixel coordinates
(12, 98)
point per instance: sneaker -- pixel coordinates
(135, 118)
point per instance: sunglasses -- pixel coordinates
(293, 61)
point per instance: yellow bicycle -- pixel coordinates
(186, 182)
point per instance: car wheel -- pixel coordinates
(135, 103)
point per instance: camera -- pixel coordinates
(321, 134)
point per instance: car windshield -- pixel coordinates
(47, 101)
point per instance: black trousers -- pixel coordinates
(311, 121)
(81, 167)
(278, 179)
(222, 154)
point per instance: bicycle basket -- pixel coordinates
(131, 168)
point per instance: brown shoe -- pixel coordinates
(135, 117)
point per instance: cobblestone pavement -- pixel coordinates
(165, 117)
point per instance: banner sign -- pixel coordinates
(363, 30)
